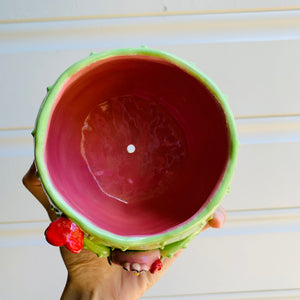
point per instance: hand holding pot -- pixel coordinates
(92, 277)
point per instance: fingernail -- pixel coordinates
(126, 266)
(136, 267)
(144, 267)
(218, 219)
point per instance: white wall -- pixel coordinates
(251, 49)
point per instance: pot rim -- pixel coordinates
(174, 234)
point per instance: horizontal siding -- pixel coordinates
(251, 50)
(253, 260)
(31, 273)
(245, 54)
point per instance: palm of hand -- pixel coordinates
(86, 270)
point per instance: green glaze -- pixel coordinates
(99, 240)
(98, 248)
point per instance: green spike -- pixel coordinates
(228, 189)
(162, 245)
(99, 249)
(49, 88)
(33, 132)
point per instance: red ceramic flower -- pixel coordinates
(63, 232)
(156, 266)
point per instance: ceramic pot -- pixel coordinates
(137, 147)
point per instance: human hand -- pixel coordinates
(90, 277)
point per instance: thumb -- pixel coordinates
(34, 185)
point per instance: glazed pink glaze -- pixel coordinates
(136, 145)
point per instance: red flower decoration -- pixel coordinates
(156, 266)
(63, 232)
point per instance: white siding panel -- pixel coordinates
(24, 83)
(258, 258)
(31, 273)
(228, 65)
(16, 155)
(267, 175)
(260, 78)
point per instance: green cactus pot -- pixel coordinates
(137, 147)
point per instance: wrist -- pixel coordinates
(92, 278)
(79, 290)
(76, 289)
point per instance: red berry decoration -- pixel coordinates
(156, 266)
(63, 232)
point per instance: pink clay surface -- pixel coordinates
(136, 145)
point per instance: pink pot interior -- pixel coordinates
(136, 145)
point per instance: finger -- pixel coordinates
(30, 178)
(33, 184)
(167, 262)
(135, 260)
(218, 219)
